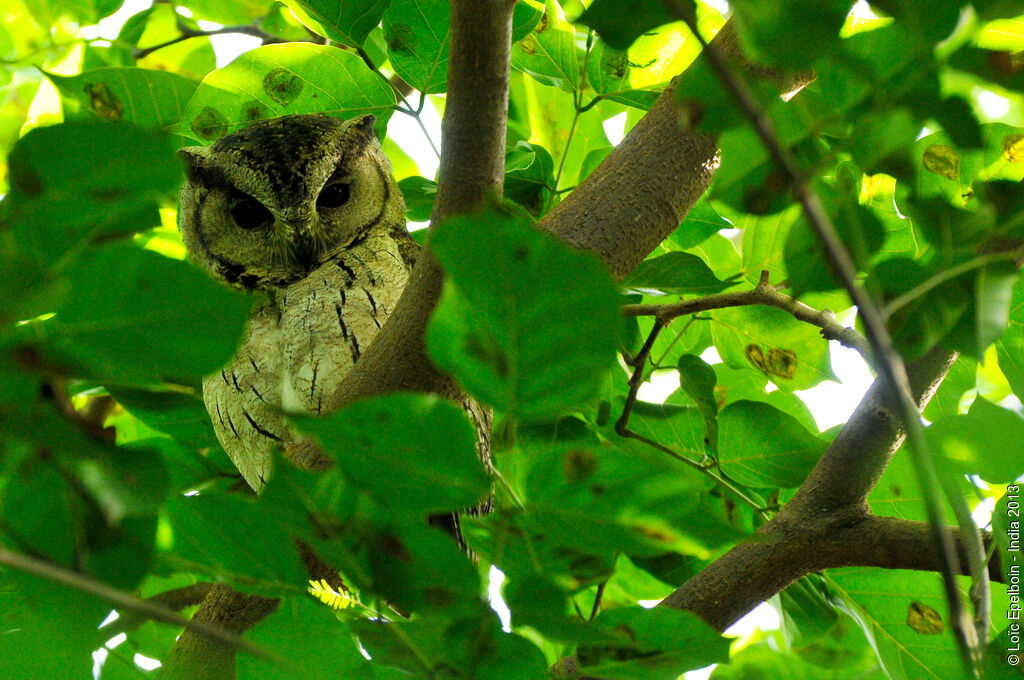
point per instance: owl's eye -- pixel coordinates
(333, 195)
(250, 214)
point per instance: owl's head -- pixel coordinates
(264, 206)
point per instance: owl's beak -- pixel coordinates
(302, 226)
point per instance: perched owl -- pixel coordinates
(305, 210)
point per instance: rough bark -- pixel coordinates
(198, 657)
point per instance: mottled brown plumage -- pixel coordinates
(304, 210)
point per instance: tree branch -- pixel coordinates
(471, 171)
(763, 294)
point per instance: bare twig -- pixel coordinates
(763, 294)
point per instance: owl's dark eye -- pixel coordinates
(333, 195)
(250, 214)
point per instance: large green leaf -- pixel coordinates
(767, 29)
(652, 644)
(413, 452)
(1010, 346)
(279, 80)
(673, 273)
(608, 71)
(347, 21)
(134, 317)
(620, 22)
(226, 536)
(150, 99)
(988, 441)
(792, 354)
(503, 325)
(760, 446)
(416, 33)
(305, 633)
(35, 613)
(57, 208)
(905, 616)
(549, 54)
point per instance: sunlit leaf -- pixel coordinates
(278, 80)
(514, 282)
(416, 33)
(760, 446)
(423, 461)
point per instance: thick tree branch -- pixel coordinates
(472, 171)
(830, 499)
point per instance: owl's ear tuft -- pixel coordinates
(363, 126)
(197, 162)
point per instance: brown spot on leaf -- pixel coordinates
(1013, 148)
(103, 102)
(282, 86)
(942, 160)
(254, 110)
(755, 355)
(924, 619)
(401, 38)
(210, 124)
(577, 464)
(782, 363)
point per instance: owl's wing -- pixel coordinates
(244, 403)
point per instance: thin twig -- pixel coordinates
(888, 360)
(638, 363)
(187, 33)
(150, 609)
(943, 276)
(763, 294)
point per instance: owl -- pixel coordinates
(304, 211)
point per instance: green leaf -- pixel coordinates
(529, 177)
(416, 33)
(652, 644)
(792, 354)
(760, 446)
(499, 328)
(35, 613)
(608, 71)
(905, 615)
(419, 194)
(620, 22)
(697, 379)
(226, 537)
(993, 291)
(926, 20)
(549, 53)
(476, 646)
(41, 510)
(178, 414)
(55, 209)
(898, 493)
(412, 452)
(768, 29)
(699, 224)
(988, 441)
(673, 273)
(962, 376)
(600, 500)
(135, 317)
(148, 98)
(306, 633)
(1010, 345)
(285, 79)
(806, 615)
(346, 21)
